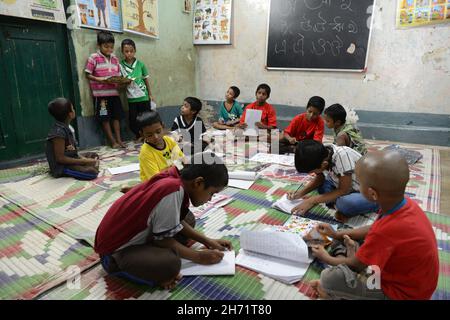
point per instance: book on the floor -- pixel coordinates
(279, 255)
(124, 169)
(410, 156)
(242, 175)
(225, 267)
(306, 228)
(217, 201)
(286, 205)
(274, 158)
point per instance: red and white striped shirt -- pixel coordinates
(100, 66)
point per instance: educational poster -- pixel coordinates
(100, 14)
(413, 13)
(47, 10)
(212, 21)
(141, 17)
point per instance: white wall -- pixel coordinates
(410, 69)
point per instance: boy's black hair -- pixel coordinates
(60, 108)
(128, 42)
(208, 166)
(316, 102)
(105, 37)
(265, 87)
(148, 118)
(336, 112)
(236, 91)
(195, 103)
(309, 155)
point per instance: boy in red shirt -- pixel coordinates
(268, 117)
(144, 234)
(400, 246)
(305, 126)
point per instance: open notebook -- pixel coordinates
(280, 255)
(286, 205)
(224, 267)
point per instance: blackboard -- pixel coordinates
(319, 34)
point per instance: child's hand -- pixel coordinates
(209, 256)
(350, 245)
(260, 125)
(294, 195)
(242, 125)
(327, 230)
(219, 244)
(320, 253)
(292, 140)
(303, 207)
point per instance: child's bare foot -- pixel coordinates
(350, 245)
(318, 290)
(169, 285)
(115, 145)
(340, 217)
(121, 144)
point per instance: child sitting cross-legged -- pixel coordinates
(61, 150)
(143, 235)
(400, 246)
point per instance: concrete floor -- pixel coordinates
(445, 181)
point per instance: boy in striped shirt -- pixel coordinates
(338, 188)
(108, 108)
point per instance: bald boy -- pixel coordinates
(400, 246)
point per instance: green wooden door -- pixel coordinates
(34, 68)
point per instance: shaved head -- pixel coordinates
(385, 171)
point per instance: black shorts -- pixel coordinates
(108, 108)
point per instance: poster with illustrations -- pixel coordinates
(141, 17)
(212, 21)
(413, 13)
(47, 10)
(100, 14)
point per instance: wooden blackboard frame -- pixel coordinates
(316, 69)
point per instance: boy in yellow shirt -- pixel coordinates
(158, 151)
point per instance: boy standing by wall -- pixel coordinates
(108, 107)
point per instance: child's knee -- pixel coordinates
(170, 267)
(331, 279)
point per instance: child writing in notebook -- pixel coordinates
(268, 117)
(345, 134)
(138, 91)
(334, 179)
(400, 246)
(306, 126)
(61, 150)
(191, 126)
(230, 110)
(138, 237)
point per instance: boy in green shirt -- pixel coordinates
(138, 90)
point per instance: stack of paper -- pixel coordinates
(225, 267)
(286, 205)
(279, 255)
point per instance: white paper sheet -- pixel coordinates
(274, 158)
(251, 117)
(225, 267)
(286, 205)
(242, 175)
(124, 169)
(240, 184)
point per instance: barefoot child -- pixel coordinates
(400, 245)
(137, 238)
(61, 149)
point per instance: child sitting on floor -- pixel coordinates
(306, 126)
(230, 110)
(268, 117)
(191, 126)
(61, 149)
(158, 151)
(138, 237)
(345, 134)
(339, 188)
(400, 246)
